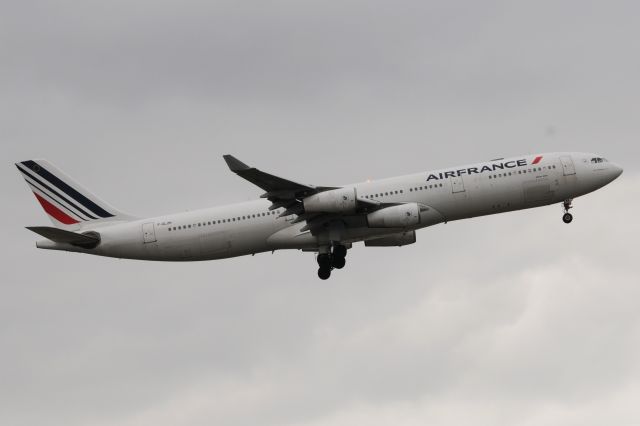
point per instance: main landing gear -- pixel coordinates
(567, 217)
(328, 261)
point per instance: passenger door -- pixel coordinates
(568, 168)
(457, 184)
(149, 232)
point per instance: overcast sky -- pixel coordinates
(512, 319)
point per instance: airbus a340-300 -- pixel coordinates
(326, 220)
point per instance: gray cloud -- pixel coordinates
(513, 319)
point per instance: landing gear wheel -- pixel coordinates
(339, 251)
(324, 261)
(338, 262)
(324, 273)
(567, 217)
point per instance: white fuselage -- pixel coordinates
(449, 194)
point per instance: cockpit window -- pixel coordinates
(598, 160)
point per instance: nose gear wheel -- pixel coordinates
(567, 217)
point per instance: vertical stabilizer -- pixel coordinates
(67, 203)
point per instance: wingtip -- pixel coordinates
(234, 164)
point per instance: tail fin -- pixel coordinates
(69, 205)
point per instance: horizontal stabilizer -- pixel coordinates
(67, 237)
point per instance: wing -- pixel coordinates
(273, 185)
(287, 194)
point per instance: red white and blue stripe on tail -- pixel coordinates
(66, 202)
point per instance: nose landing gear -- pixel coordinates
(328, 261)
(567, 217)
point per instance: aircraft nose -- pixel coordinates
(616, 170)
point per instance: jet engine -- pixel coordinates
(401, 216)
(393, 240)
(342, 200)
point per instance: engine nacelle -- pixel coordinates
(342, 200)
(401, 216)
(393, 240)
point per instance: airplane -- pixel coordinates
(326, 220)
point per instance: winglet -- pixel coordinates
(234, 164)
